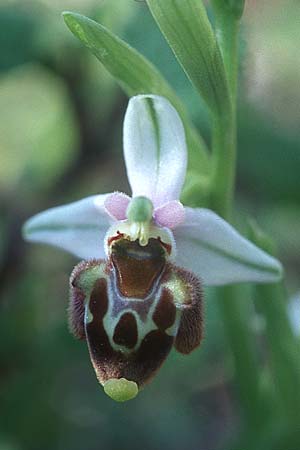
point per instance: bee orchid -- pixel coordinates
(138, 291)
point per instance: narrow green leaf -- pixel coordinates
(136, 75)
(188, 31)
(235, 7)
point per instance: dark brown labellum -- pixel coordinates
(132, 308)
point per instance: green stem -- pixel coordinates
(232, 301)
(224, 160)
(224, 163)
(284, 348)
(227, 28)
(224, 127)
(270, 300)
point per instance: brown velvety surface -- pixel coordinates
(137, 267)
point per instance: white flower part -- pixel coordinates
(155, 156)
(218, 254)
(77, 227)
(293, 308)
(154, 149)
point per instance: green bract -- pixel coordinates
(235, 7)
(187, 29)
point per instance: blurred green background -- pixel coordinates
(60, 140)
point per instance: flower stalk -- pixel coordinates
(269, 298)
(224, 161)
(224, 126)
(224, 149)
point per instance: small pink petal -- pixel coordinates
(170, 215)
(116, 205)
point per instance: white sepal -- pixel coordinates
(154, 149)
(218, 254)
(77, 227)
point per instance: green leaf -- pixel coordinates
(136, 75)
(188, 31)
(196, 190)
(235, 7)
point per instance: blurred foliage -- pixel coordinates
(60, 139)
(46, 132)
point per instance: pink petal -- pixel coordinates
(116, 205)
(170, 215)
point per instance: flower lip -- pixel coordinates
(137, 268)
(133, 250)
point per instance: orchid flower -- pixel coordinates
(138, 291)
